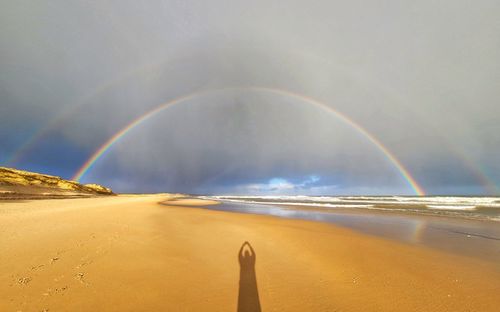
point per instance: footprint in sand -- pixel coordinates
(84, 263)
(36, 267)
(24, 280)
(57, 290)
(80, 277)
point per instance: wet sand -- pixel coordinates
(460, 235)
(129, 253)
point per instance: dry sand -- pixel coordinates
(128, 253)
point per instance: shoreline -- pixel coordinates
(480, 213)
(474, 238)
(89, 254)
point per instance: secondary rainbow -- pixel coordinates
(417, 189)
(66, 112)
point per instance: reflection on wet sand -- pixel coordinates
(473, 238)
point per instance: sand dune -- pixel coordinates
(128, 253)
(19, 184)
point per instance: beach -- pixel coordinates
(133, 253)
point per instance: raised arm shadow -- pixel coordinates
(248, 295)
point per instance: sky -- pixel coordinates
(276, 97)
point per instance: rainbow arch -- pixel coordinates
(417, 189)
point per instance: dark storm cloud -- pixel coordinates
(422, 77)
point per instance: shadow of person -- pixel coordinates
(248, 295)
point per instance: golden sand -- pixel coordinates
(128, 253)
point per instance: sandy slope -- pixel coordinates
(20, 184)
(127, 253)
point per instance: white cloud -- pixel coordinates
(309, 186)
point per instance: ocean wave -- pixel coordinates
(451, 207)
(469, 207)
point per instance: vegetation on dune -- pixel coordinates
(20, 181)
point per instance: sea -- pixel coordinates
(473, 207)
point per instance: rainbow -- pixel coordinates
(480, 174)
(417, 189)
